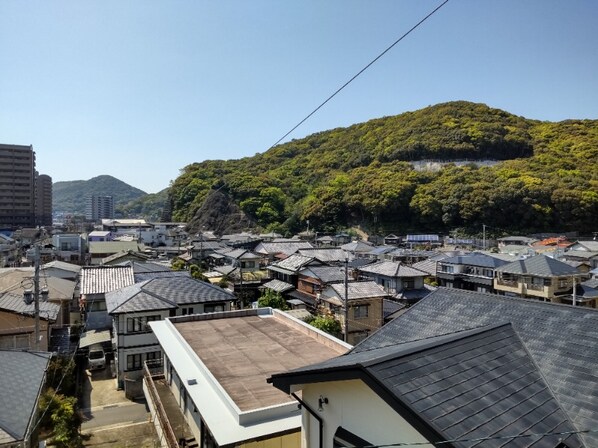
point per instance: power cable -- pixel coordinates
(360, 72)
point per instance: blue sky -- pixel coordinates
(138, 89)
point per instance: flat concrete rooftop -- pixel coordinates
(242, 352)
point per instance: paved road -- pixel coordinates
(110, 420)
(122, 414)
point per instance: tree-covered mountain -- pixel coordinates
(71, 196)
(546, 177)
(150, 206)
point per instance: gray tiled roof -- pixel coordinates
(287, 248)
(442, 380)
(144, 267)
(101, 279)
(56, 264)
(476, 259)
(327, 274)
(141, 277)
(183, 290)
(392, 269)
(292, 263)
(278, 285)
(164, 293)
(13, 303)
(539, 265)
(428, 266)
(561, 339)
(357, 246)
(325, 255)
(21, 378)
(131, 299)
(358, 290)
(589, 245)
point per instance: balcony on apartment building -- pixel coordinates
(171, 426)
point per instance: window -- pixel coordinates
(360, 311)
(139, 324)
(134, 362)
(188, 310)
(213, 308)
(153, 355)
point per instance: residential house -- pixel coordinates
(312, 279)
(585, 245)
(245, 259)
(394, 277)
(22, 380)
(515, 241)
(560, 341)
(378, 252)
(215, 371)
(427, 241)
(474, 272)
(125, 256)
(552, 244)
(61, 269)
(539, 277)
(330, 256)
(342, 238)
(365, 311)
(477, 387)
(100, 235)
(134, 306)
(17, 322)
(279, 250)
(95, 283)
(409, 256)
(392, 240)
(325, 241)
(59, 291)
(69, 247)
(202, 251)
(588, 258)
(357, 249)
(9, 252)
(98, 250)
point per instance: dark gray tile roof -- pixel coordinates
(539, 265)
(476, 259)
(164, 293)
(15, 304)
(468, 385)
(143, 276)
(21, 377)
(357, 247)
(562, 340)
(391, 307)
(392, 269)
(133, 299)
(143, 267)
(183, 290)
(327, 274)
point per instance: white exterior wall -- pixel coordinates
(355, 407)
(133, 343)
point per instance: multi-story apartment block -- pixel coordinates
(17, 186)
(99, 207)
(25, 195)
(43, 200)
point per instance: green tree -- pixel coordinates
(272, 299)
(178, 265)
(327, 324)
(61, 419)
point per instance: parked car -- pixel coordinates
(96, 359)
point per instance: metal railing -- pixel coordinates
(511, 283)
(152, 370)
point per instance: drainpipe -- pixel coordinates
(316, 416)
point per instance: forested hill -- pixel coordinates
(546, 180)
(71, 196)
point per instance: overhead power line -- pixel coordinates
(360, 72)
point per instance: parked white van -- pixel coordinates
(96, 358)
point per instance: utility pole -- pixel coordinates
(484, 236)
(36, 294)
(346, 299)
(574, 292)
